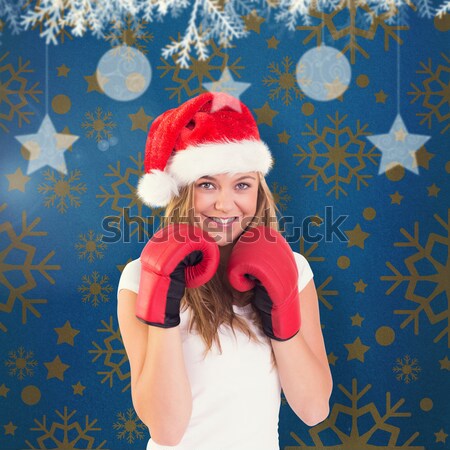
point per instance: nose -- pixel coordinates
(224, 201)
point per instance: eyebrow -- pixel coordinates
(207, 177)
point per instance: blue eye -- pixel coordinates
(205, 183)
(209, 186)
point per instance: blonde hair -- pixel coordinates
(209, 311)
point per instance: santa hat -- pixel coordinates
(210, 134)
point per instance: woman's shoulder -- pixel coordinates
(300, 259)
(130, 276)
(305, 273)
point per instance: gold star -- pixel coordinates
(441, 436)
(3, 391)
(335, 88)
(357, 320)
(445, 364)
(140, 120)
(10, 429)
(332, 358)
(272, 42)
(63, 70)
(380, 97)
(433, 190)
(56, 369)
(93, 83)
(400, 135)
(283, 138)
(423, 157)
(66, 334)
(78, 389)
(67, 131)
(356, 350)
(64, 140)
(265, 114)
(396, 198)
(356, 237)
(316, 220)
(360, 286)
(17, 180)
(253, 21)
(120, 267)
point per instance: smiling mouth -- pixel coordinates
(221, 223)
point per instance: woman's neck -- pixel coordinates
(225, 253)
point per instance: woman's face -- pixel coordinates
(225, 204)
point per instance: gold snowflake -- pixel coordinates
(90, 247)
(21, 363)
(435, 93)
(66, 434)
(322, 290)
(428, 290)
(129, 426)
(338, 155)
(123, 190)
(132, 34)
(99, 124)
(280, 196)
(115, 357)
(62, 190)
(15, 92)
(95, 289)
(191, 79)
(18, 243)
(284, 81)
(351, 30)
(343, 425)
(407, 369)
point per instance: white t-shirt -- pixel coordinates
(236, 394)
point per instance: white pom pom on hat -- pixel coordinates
(157, 188)
(195, 140)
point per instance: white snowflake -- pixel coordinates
(10, 15)
(443, 9)
(209, 19)
(426, 8)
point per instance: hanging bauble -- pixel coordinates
(323, 73)
(124, 73)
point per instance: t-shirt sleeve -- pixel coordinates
(130, 277)
(305, 274)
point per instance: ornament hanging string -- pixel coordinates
(323, 25)
(398, 60)
(46, 78)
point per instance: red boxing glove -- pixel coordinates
(262, 259)
(176, 257)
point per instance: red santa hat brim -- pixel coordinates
(184, 167)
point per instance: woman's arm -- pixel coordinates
(302, 362)
(160, 388)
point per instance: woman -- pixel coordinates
(218, 314)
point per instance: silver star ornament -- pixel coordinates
(230, 86)
(398, 147)
(47, 147)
